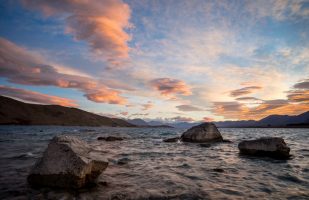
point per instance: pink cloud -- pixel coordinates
(168, 86)
(35, 97)
(100, 23)
(147, 106)
(21, 66)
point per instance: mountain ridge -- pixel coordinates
(14, 112)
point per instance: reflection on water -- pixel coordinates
(143, 167)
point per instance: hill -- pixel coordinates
(20, 113)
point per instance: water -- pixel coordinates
(144, 167)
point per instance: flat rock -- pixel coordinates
(175, 139)
(274, 147)
(111, 138)
(66, 163)
(205, 132)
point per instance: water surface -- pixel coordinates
(144, 167)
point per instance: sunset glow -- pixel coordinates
(167, 60)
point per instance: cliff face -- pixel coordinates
(19, 113)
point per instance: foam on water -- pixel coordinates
(144, 167)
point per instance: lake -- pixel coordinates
(144, 167)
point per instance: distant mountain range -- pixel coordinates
(142, 123)
(19, 113)
(301, 120)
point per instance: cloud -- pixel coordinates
(35, 97)
(124, 113)
(296, 103)
(168, 86)
(104, 95)
(244, 91)
(22, 66)
(300, 92)
(147, 105)
(299, 96)
(236, 110)
(247, 99)
(208, 119)
(180, 119)
(188, 108)
(278, 9)
(302, 85)
(101, 23)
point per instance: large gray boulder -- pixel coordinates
(274, 147)
(205, 132)
(66, 163)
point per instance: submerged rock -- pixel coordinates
(205, 132)
(274, 147)
(175, 139)
(206, 145)
(66, 163)
(111, 138)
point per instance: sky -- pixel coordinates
(169, 60)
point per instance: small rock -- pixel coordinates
(111, 138)
(218, 170)
(205, 145)
(274, 147)
(123, 161)
(175, 139)
(103, 183)
(227, 141)
(205, 132)
(66, 163)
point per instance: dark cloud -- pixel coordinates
(188, 108)
(244, 91)
(247, 99)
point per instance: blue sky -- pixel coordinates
(167, 60)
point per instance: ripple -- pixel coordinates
(143, 167)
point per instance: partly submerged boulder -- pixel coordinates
(205, 132)
(174, 139)
(111, 138)
(66, 163)
(274, 147)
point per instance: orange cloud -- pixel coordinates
(244, 91)
(168, 86)
(105, 95)
(27, 68)
(101, 23)
(208, 119)
(300, 92)
(35, 97)
(236, 110)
